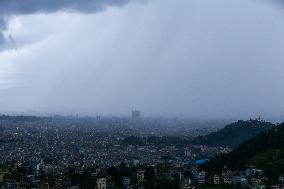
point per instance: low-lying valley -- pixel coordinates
(74, 152)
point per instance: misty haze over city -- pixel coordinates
(206, 59)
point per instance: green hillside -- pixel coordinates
(266, 151)
(234, 133)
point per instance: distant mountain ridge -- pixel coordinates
(235, 133)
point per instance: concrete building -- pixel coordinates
(101, 183)
(281, 180)
(140, 176)
(186, 183)
(216, 179)
(126, 183)
(227, 177)
(199, 177)
(136, 115)
(255, 182)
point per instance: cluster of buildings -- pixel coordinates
(42, 151)
(249, 178)
(63, 153)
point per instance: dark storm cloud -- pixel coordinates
(24, 7)
(206, 59)
(3, 41)
(2, 23)
(2, 27)
(37, 6)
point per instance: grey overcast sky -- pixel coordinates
(190, 58)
